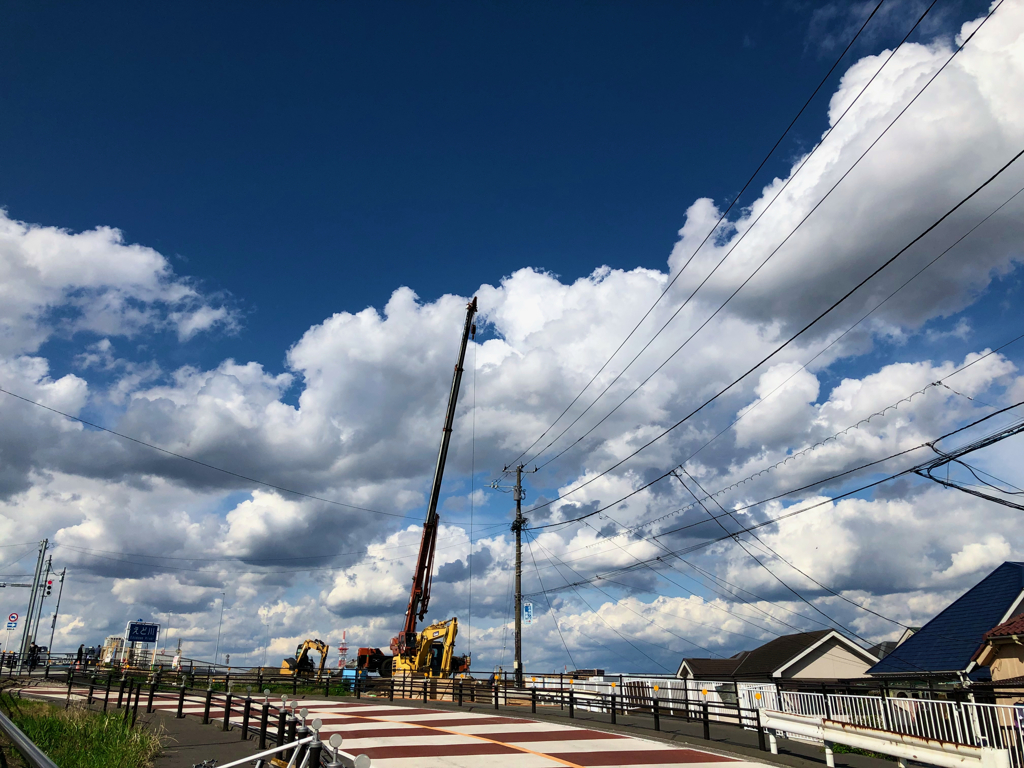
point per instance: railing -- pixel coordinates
(32, 754)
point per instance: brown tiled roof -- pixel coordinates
(1014, 626)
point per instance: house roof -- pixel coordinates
(766, 661)
(947, 643)
(1014, 626)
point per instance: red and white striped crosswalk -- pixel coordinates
(412, 737)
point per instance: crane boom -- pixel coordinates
(419, 598)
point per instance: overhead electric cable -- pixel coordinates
(782, 346)
(728, 253)
(712, 230)
(762, 264)
(215, 468)
(551, 609)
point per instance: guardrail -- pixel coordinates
(902, 746)
(35, 756)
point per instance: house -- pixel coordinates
(809, 656)
(884, 648)
(1003, 651)
(945, 648)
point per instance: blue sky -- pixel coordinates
(274, 173)
(308, 161)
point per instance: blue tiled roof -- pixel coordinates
(947, 642)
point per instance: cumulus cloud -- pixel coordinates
(355, 417)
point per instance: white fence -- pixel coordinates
(996, 726)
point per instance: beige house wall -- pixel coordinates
(831, 661)
(1008, 663)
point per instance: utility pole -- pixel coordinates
(56, 610)
(26, 635)
(42, 595)
(216, 653)
(517, 526)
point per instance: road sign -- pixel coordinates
(142, 632)
(12, 625)
(527, 613)
(12, 617)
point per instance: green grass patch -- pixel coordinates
(79, 738)
(842, 749)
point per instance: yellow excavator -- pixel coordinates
(300, 664)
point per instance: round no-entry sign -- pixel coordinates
(13, 617)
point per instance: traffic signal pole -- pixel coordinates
(44, 592)
(26, 635)
(56, 610)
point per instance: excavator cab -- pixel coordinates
(301, 664)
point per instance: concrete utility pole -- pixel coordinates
(26, 635)
(517, 526)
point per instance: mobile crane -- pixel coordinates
(429, 653)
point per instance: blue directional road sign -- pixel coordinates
(12, 625)
(142, 632)
(527, 613)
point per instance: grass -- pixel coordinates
(79, 738)
(842, 749)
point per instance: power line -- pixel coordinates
(786, 343)
(728, 253)
(248, 479)
(999, 434)
(766, 259)
(551, 609)
(711, 231)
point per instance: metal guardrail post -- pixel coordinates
(246, 711)
(295, 685)
(149, 698)
(120, 693)
(327, 687)
(533, 700)
(281, 715)
(291, 735)
(135, 707)
(460, 693)
(613, 708)
(227, 711)
(264, 716)
(657, 715)
(92, 687)
(181, 703)
(495, 694)
(707, 722)
(106, 695)
(315, 751)
(572, 708)
(206, 706)
(760, 732)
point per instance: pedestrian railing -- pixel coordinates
(32, 754)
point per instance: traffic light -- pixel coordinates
(49, 587)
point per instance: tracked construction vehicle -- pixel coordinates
(431, 651)
(301, 665)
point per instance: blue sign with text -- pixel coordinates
(138, 632)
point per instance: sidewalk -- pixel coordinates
(725, 739)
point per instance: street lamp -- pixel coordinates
(216, 653)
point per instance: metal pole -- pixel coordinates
(517, 526)
(216, 653)
(56, 610)
(26, 635)
(42, 599)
